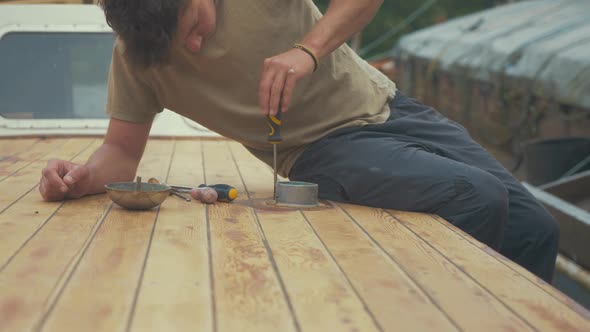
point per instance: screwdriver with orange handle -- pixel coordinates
(274, 138)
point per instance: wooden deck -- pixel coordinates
(89, 265)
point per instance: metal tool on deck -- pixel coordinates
(173, 190)
(137, 195)
(297, 194)
(225, 192)
(274, 138)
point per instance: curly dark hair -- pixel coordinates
(146, 27)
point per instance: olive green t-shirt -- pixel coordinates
(218, 87)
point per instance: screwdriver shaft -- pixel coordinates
(274, 153)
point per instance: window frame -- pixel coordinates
(53, 123)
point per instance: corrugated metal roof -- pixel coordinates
(545, 42)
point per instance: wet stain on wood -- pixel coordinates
(235, 235)
(269, 206)
(560, 324)
(30, 271)
(316, 255)
(104, 312)
(9, 308)
(231, 220)
(40, 253)
(116, 256)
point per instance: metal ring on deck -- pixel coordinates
(297, 194)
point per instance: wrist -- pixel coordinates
(310, 53)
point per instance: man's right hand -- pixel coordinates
(63, 179)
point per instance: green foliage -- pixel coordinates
(393, 12)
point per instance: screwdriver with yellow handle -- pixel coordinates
(225, 192)
(274, 138)
(222, 192)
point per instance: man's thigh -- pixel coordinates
(381, 170)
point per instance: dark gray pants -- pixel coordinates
(421, 161)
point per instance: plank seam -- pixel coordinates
(267, 247)
(209, 247)
(404, 271)
(37, 159)
(36, 184)
(465, 273)
(471, 239)
(46, 154)
(147, 253)
(30, 237)
(45, 222)
(348, 281)
(45, 317)
(19, 198)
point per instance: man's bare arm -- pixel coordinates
(342, 20)
(114, 161)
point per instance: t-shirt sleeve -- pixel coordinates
(129, 95)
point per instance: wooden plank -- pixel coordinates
(24, 151)
(470, 306)
(540, 309)
(248, 295)
(27, 178)
(380, 281)
(526, 274)
(27, 284)
(322, 297)
(525, 296)
(175, 293)
(11, 148)
(21, 220)
(100, 293)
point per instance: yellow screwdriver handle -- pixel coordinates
(274, 122)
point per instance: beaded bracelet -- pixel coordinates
(308, 51)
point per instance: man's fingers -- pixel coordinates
(276, 92)
(76, 174)
(49, 194)
(54, 181)
(288, 89)
(265, 86)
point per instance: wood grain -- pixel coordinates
(322, 297)
(470, 306)
(19, 183)
(27, 284)
(378, 279)
(541, 310)
(525, 292)
(22, 152)
(101, 290)
(21, 220)
(247, 291)
(175, 294)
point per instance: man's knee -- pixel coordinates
(480, 207)
(545, 231)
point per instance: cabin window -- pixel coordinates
(47, 75)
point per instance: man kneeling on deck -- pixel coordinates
(227, 63)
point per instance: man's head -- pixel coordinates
(149, 28)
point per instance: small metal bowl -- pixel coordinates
(137, 195)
